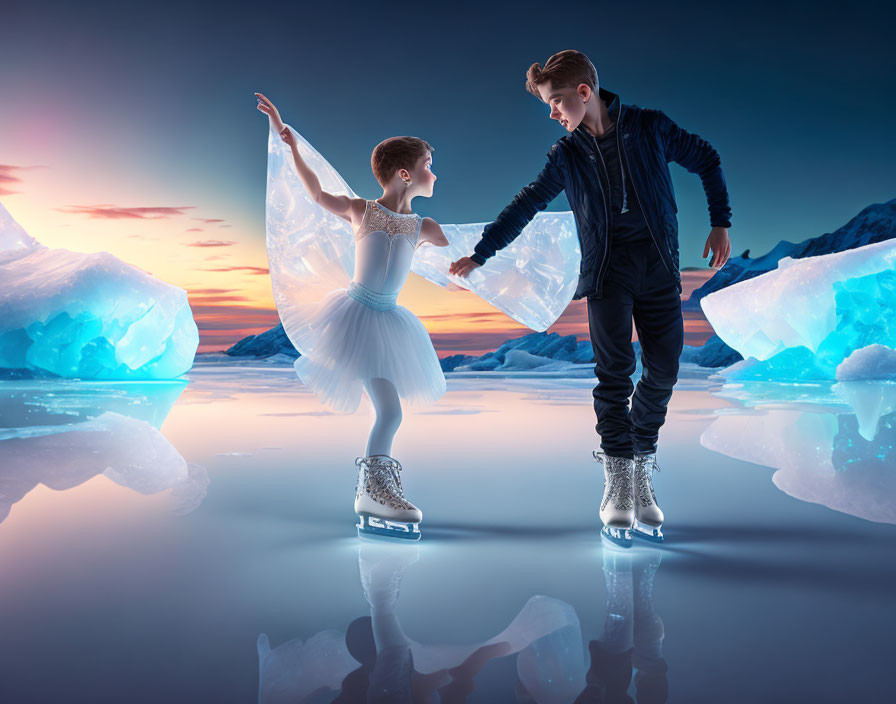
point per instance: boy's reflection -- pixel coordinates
(633, 635)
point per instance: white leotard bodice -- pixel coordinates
(384, 248)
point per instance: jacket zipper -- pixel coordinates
(637, 197)
(603, 199)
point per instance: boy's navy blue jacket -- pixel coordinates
(647, 141)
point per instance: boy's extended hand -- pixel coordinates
(721, 247)
(462, 267)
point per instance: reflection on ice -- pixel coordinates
(633, 633)
(377, 661)
(545, 633)
(831, 445)
(63, 434)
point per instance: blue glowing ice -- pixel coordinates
(803, 319)
(88, 316)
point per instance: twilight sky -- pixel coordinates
(132, 127)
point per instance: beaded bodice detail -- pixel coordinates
(384, 248)
(378, 218)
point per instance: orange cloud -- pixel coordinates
(207, 291)
(112, 212)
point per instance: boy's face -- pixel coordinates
(567, 104)
(422, 176)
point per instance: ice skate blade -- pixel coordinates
(373, 527)
(646, 532)
(621, 537)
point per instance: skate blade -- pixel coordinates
(373, 527)
(621, 537)
(646, 532)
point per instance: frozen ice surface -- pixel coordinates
(801, 320)
(510, 595)
(62, 434)
(835, 446)
(88, 316)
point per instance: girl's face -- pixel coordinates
(567, 104)
(422, 176)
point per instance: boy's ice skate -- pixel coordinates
(380, 502)
(648, 516)
(617, 509)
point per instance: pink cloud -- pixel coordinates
(112, 212)
(209, 221)
(259, 270)
(9, 176)
(211, 243)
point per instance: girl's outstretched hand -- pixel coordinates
(287, 136)
(462, 267)
(267, 107)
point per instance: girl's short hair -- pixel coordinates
(396, 153)
(564, 69)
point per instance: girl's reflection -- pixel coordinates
(377, 661)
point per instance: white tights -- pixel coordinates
(388, 416)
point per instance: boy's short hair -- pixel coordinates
(564, 69)
(396, 153)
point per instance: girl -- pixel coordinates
(358, 337)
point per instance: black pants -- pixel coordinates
(637, 285)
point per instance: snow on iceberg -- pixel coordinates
(871, 362)
(88, 316)
(801, 320)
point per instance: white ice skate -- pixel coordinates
(648, 516)
(617, 509)
(380, 502)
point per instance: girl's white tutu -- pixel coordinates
(349, 342)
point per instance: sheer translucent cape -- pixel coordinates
(311, 251)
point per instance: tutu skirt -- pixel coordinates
(348, 342)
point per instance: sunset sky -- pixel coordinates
(133, 129)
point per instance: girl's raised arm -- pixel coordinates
(343, 206)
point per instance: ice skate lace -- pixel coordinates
(617, 481)
(381, 481)
(645, 465)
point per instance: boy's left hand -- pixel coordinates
(721, 247)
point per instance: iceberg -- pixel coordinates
(87, 316)
(803, 319)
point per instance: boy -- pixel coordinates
(613, 164)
